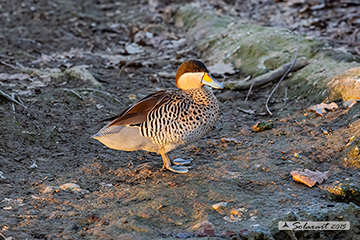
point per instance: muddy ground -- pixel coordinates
(126, 195)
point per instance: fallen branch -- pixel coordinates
(293, 63)
(267, 77)
(9, 65)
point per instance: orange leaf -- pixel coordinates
(320, 108)
(310, 178)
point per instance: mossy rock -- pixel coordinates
(255, 50)
(313, 79)
(350, 157)
(345, 192)
(353, 155)
(346, 85)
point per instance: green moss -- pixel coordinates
(313, 79)
(345, 192)
(341, 56)
(353, 156)
(273, 62)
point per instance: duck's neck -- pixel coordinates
(201, 95)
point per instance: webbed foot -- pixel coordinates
(180, 161)
(175, 165)
(177, 168)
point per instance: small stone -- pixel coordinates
(132, 97)
(220, 207)
(48, 189)
(73, 187)
(70, 186)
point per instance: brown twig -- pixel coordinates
(8, 65)
(12, 98)
(51, 130)
(251, 86)
(293, 63)
(74, 92)
(267, 77)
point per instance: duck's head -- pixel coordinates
(194, 74)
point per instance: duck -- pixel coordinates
(167, 119)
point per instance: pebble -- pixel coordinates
(48, 189)
(220, 208)
(73, 187)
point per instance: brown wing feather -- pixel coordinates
(138, 112)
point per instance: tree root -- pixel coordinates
(267, 77)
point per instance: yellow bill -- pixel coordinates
(207, 79)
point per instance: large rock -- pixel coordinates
(346, 85)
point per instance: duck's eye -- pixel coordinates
(196, 70)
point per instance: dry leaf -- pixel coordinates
(133, 48)
(220, 208)
(232, 218)
(18, 76)
(73, 187)
(320, 108)
(262, 126)
(69, 186)
(132, 97)
(222, 68)
(48, 189)
(248, 111)
(173, 43)
(309, 177)
(217, 206)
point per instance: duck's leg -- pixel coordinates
(168, 165)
